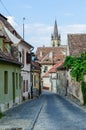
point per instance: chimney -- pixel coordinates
(51, 55)
(41, 54)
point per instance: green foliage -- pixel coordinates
(84, 92)
(1, 115)
(68, 62)
(77, 66)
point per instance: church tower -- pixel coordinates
(55, 37)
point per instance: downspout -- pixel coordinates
(31, 75)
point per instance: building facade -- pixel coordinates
(36, 78)
(76, 46)
(49, 56)
(24, 56)
(10, 72)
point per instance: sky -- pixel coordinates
(40, 16)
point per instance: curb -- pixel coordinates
(76, 104)
(35, 118)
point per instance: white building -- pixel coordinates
(24, 54)
(25, 57)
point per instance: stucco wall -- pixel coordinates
(42, 69)
(54, 86)
(74, 88)
(7, 99)
(25, 71)
(61, 82)
(47, 83)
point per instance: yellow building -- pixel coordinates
(36, 79)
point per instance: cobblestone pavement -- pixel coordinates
(60, 114)
(48, 112)
(22, 116)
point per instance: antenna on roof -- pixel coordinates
(23, 26)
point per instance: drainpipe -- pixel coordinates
(31, 74)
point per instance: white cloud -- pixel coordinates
(38, 28)
(11, 20)
(71, 29)
(27, 6)
(68, 14)
(40, 34)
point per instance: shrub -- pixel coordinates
(84, 91)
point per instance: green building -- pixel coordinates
(10, 71)
(10, 87)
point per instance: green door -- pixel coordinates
(13, 80)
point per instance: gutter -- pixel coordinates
(10, 61)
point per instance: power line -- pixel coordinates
(11, 15)
(5, 7)
(7, 10)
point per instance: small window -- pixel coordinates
(5, 82)
(53, 44)
(57, 76)
(1, 43)
(7, 47)
(23, 85)
(45, 68)
(26, 85)
(16, 80)
(20, 79)
(23, 56)
(28, 58)
(47, 60)
(34, 80)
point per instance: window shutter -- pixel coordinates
(28, 58)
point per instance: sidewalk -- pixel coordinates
(75, 101)
(22, 116)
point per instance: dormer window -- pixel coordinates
(47, 60)
(14, 32)
(7, 48)
(1, 43)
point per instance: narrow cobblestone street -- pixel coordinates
(48, 112)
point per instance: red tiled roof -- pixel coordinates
(53, 69)
(8, 58)
(51, 55)
(76, 43)
(36, 65)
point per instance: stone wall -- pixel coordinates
(61, 82)
(74, 88)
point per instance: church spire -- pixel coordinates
(55, 37)
(55, 34)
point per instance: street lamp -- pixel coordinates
(23, 26)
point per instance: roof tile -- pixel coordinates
(51, 55)
(76, 43)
